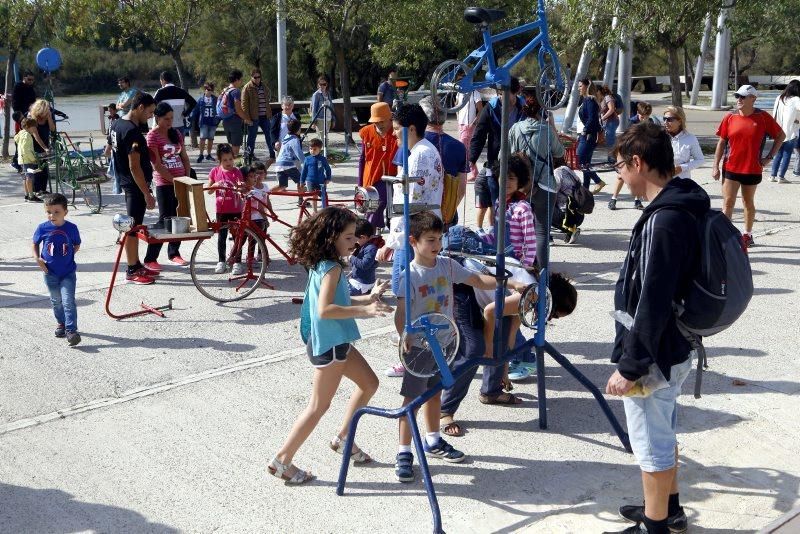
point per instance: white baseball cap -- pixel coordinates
(746, 90)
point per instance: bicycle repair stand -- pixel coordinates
(503, 356)
(143, 233)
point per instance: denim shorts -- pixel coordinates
(334, 354)
(207, 131)
(652, 422)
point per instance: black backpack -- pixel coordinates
(721, 289)
(582, 200)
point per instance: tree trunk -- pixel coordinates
(674, 75)
(687, 69)
(736, 67)
(178, 60)
(344, 77)
(9, 85)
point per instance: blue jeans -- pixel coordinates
(586, 145)
(652, 422)
(610, 129)
(781, 162)
(252, 133)
(62, 296)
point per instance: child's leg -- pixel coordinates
(28, 184)
(222, 244)
(360, 373)
(433, 413)
(405, 428)
(617, 187)
(481, 216)
(68, 302)
(488, 329)
(326, 382)
(54, 288)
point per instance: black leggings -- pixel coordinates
(167, 207)
(544, 214)
(222, 242)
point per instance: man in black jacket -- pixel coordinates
(662, 260)
(488, 129)
(22, 96)
(181, 101)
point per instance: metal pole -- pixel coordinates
(611, 59)
(721, 51)
(500, 225)
(282, 76)
(701, 61)
(624, 84)
(574, 97)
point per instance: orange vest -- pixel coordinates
(378, 154)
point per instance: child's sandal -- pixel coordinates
(358, 456)
(278, 469)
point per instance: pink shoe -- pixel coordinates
(153, 266)
(180, 262)
(395, 370)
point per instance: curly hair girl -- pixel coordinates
(314, 239)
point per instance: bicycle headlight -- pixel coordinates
(123, 223)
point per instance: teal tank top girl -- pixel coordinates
(325, 333)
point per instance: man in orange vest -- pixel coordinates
(378, 146)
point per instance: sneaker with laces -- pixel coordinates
(220, 268)
(403, 467)
(638, 204)
(599, 187)
(612, 204)
(200, 158)
(60, 330)
(444, 451)
(139, 277)
(395, 370)
(773, 178)
(238, 268)
(783, 181)
(180, 262)
(517, 371)
(153, 266)
(150, 272)
(574, 237)
(210, 158)
(677, 523)
(73, 338)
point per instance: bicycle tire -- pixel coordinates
(552, 92)
(226, 287)
(419, 360)
(529, 307)
(445, 86)
(93, 196)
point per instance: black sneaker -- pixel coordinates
(676, 523)
(638, 204)
(60, 331)
(403, 469)
(638, 528)
(73, 338)
(34, 198)
(567, 236)
(612, 204)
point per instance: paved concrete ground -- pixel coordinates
(166, 425)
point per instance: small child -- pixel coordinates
(431, 279)
(363, 262)
(225, 180)
(316, 170)
(113, 116)
(55, 243)
(205, 112)
(328, 327)
(259, 201)
(289, 157)
(26, 157)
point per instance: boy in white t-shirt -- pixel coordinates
(467, 117)
(260, 202)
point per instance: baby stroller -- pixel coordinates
(573, 203)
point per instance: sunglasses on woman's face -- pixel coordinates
(670, 119)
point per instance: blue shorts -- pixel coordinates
(207, 131)
(332, 355)
(652, 422)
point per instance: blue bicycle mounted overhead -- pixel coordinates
(453, 77)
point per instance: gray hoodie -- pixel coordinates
(534, 137)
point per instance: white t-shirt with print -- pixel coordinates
(425, 164)
(466, 115)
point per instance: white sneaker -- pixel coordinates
(238, 268)
(395, 338)
(395, 370)
(773, 178)
(221, 268)
(783, 181)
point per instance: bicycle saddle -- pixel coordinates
(478, 15)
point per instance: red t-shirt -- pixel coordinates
(170, 154)
(746, 137)
(227, 201)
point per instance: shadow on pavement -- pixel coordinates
(52, 510)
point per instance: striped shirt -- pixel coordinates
(521, 231)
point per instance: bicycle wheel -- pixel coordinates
(553, 88)
(529, 308)
(92, 196)
(446, 85)
(419, 359)
(243, 271)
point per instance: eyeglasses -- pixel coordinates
(618, 166)
(256, 77)
(740, 97)
(670, 119)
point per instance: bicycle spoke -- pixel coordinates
(243, 271)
